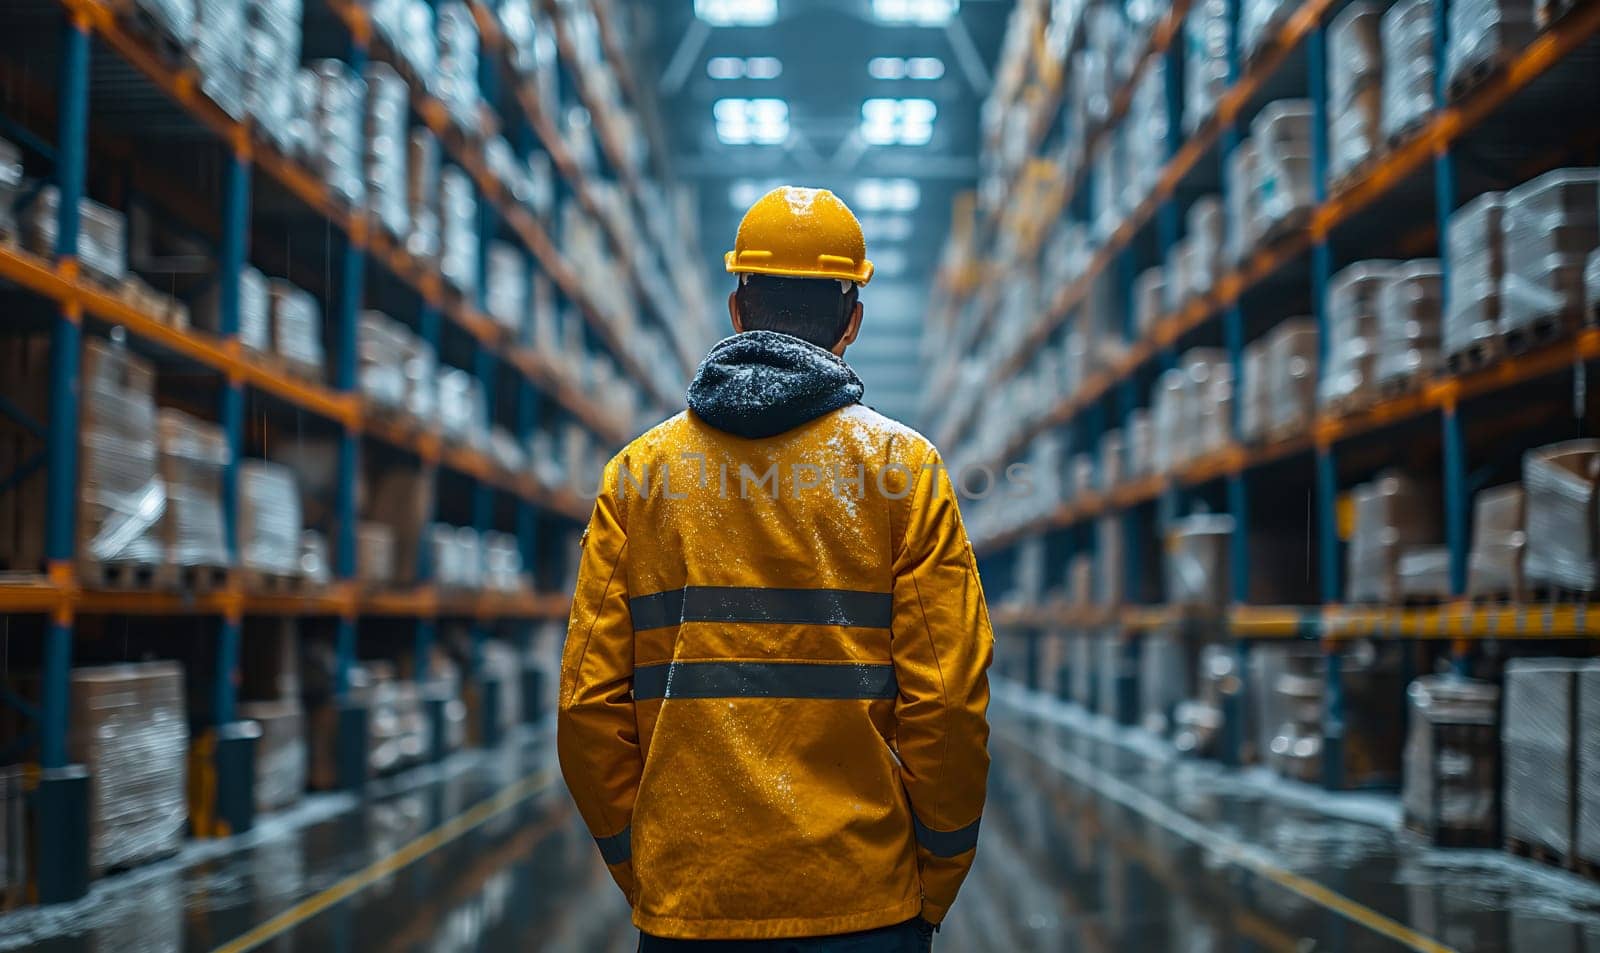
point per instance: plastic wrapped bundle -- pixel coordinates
(102, 235)
(1423, 572)
(508, 286)
(1092, 86)
(1587, 730)
(1212, 406)
(1481, 35)
(1540, 757)
(1203, 251)
(1141, 444)
(456, 79)
(463, 412)
(1207, 39)
(269, 519)
(1149, 298)
(130, 728)
(314, 565)
(1355, 87)
(1260, 21)
(1408, 65)
(1450, 792)
(1351, 375)
(272, 57)
(1113, 459)
(458, 228)
(457, 556)
(1408, 321)
(422, 195)
(1476, 252)
(388, 109)
(1392, 514)
(1110, 170)
(280, 752)
(1166, 421)
(1282, 134)
(1494, 566)
(1292, 376)
(297, 327)
(407, 26)
(122, 498)
(1254, 407)
(1197, 560)
(502, 563)
(1146, 130)
(219, 51)
(339, 122)
(1559, 482)
(1163, 680)
(1242, 196)
(375, 554)
(1551, 224)
(380, 346)
(193, 454)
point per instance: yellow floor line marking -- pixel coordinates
(452, 829)
(1231, 851)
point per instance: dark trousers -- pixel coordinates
(902, 938)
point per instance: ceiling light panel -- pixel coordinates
(742, 122)
(888, 195)
(900, 67)
(737, 12)
(898, 122)
(744, 67)
(916, 12)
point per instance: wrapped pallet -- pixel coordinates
(1450, 791)
(1197, 560)
(508, 287)
(339, 120)
(380, 346)
(422, 195)
(463, 412)
(1141, 444)
(1282, 134)
(407, 26)
(1295, 746)
(1494, 567)
(1537, 741)
(1481, 35)
(269, 519)
(1243, 212)
(502, 563)
(1423, 573)
(219, 54)
(1392, 514)
(1559, 481)
(375, 554)
(456, 79)
(129, 727)
(192, 456)
(1149, 299)
(1292, 377)
(1260, 21)
(1163, 680)
(1208, 40)
(1551, 225)
(272, 56)
(388, 110)
(1355, 88)
(102, 235)
(1587, 728)
(280, 752)
(1167, 437)
(1408, 67)
(1113, 459)
(1409, 306)
(1255, 405)
(1352, 347)
(122, 499)
(1475, 248)
(458, 230)
(296, 328)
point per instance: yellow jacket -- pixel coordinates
(773, 690)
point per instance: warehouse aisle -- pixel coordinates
(1091, 842)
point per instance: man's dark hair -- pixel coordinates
(811, 309)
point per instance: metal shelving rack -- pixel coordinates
(1565, 52)
(90, 29)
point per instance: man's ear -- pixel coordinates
(850, 331)
(733, 312)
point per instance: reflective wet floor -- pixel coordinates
(1094, 840)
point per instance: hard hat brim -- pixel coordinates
(860, 275)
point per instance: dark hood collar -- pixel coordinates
(762, 383)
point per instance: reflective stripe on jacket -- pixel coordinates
(773, 690)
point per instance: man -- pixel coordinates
(773, 691)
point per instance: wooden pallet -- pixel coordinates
(273, 584)
(197, 579)
(1400, 386)
(1476, 73)
(117, 575)
(1348, 405)
(1540, 853)
(1544, 331)
(141, 21)
(1475, 356)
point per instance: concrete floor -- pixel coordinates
(1093, 841)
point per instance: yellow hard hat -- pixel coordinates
(800, 233)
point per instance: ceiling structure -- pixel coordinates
(877, 100)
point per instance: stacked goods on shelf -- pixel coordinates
(463, 409)
(1393, 516)
(1408, 66)
(1475, 248)
(375, 554)
(1408, 323)
(1197, 722)
(1191, 409)
(1355, 88)
(219, 48)
(1587, 733)
(1145, 135)
(271, 60)
(192, 456)
(1197, 561)
(335, 122)
(401, 500)
(1292, 705)
(255, 311)
(1538, 746)
(455, 76)
(1194, 263)
(1483, 34)
(1560, 506)
(129, 728)
(280, 775)
(102, 235)
(269, 520)
(407, 28)
(1208, 38)
(465, 559)
(458, 230)
(1291, 376)
(1350, 378)
(1494, 565)
(1282, 190)
(1295, 746)
(1149, 299)
(296, 328)
(1253, 405)
(507, 293)
(122, 497)
(395, 368)
(1163, 679)
(1450, 789)
(1240, 172)
(1551, 225)
(1259, 21)
(388, 107)
(422, 195)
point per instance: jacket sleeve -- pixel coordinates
(597, 736)
(942, 646)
